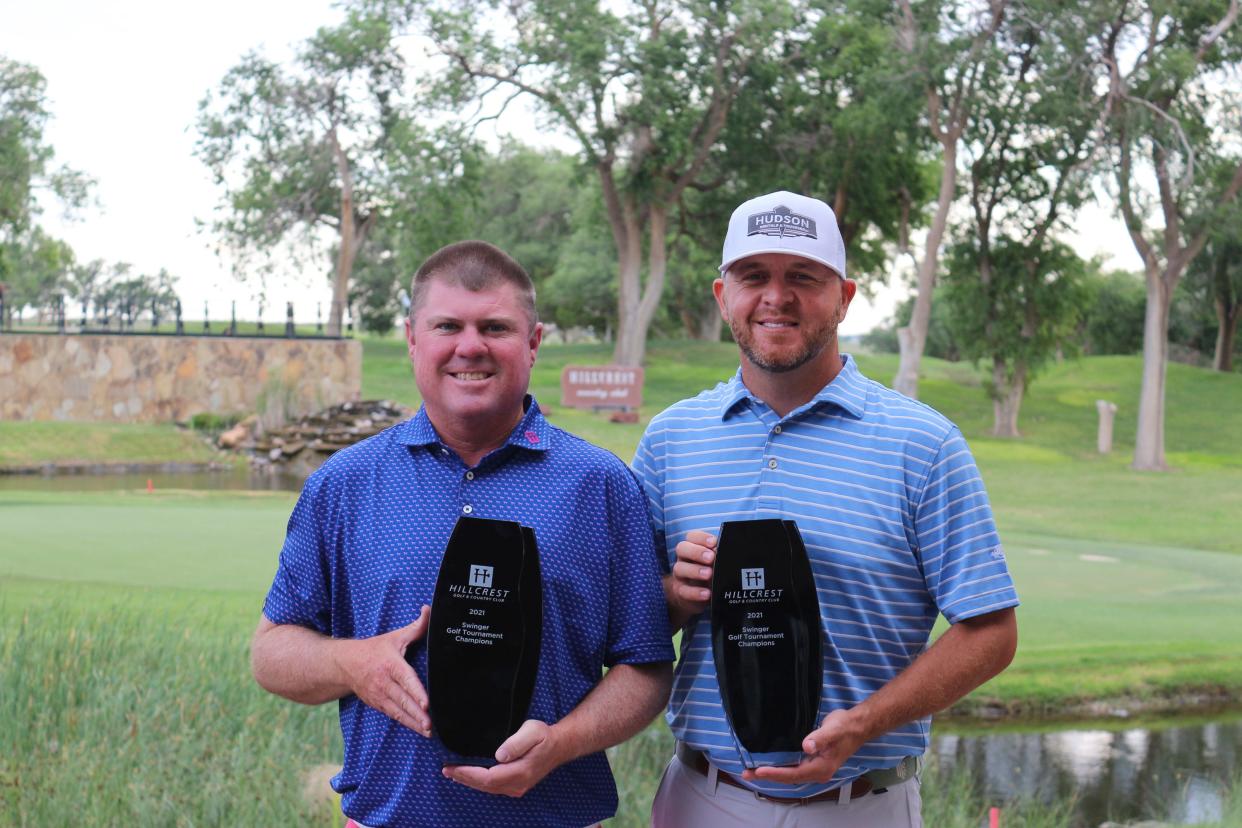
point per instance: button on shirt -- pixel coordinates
(361, 556)
(893, 515)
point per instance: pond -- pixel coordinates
(1171, 769)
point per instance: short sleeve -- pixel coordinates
(649, 469)
(961, 554)
(638, 630)
(300, 593)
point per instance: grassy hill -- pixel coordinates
(1050, 481)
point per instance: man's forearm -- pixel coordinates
(623, 703)
(679, 612)
(296, 663)
(964, 657)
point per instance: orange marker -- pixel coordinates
(150, 488)
(994, 818)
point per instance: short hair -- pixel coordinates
(474, 265)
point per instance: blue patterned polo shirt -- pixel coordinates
(361, 556)
(895, 521)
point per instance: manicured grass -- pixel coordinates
(124, 620)
(69, 443)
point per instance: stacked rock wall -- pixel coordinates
(151, 379)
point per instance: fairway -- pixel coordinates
(1158, 617)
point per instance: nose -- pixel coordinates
(470, 343)
(776, 293)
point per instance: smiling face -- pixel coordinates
(783, 310)
(472, 352)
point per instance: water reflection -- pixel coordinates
(1163, 771)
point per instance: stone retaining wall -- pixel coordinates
(148, 379)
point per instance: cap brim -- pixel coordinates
(784, 250)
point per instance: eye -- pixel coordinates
(447, 327)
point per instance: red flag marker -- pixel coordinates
(150, 488)
(994, 818)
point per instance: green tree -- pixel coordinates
(129, 294)
(322, 144)
(1214, 280)
(26, 159)
(1113, 317)
(1015, 293)
(1024, 312)
(1175, 163)
(644, 89)
(34, 267)
(582, 291)
(32, 264)
(950, 49)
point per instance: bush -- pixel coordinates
(213, 423)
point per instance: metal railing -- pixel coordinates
(161, 319)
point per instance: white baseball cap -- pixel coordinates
(784, 222)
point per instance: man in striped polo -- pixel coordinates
(895, 521)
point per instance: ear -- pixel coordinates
(848, 288)
(718, 291)
(536, 337)
(409, 337)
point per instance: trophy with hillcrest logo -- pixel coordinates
(483, 643)
(766, 639)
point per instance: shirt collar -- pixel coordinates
(845, 391)
(531, 432)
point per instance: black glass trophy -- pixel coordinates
(766, 639)
(483, 644)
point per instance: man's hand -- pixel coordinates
(686, 587)
(377, 673)
(826, 749)
(525, 758)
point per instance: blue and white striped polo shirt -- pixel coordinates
(895, 520)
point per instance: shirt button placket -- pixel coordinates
(466, 508)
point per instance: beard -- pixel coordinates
(783, 360)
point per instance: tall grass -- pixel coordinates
(113, 715)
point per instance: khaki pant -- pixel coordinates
(687, 800)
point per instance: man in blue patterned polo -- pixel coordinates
(895, 521)
(363, 549)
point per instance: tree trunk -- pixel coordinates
(1149, 441)
(710, 324)
(634, 315)
(913, 338)
(702, 323)
(1226, 332)
(1007, 399)
(344, 257)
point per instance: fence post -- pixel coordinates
(290, 330)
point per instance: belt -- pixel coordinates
(872, 781)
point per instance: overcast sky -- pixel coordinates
(124, 79)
